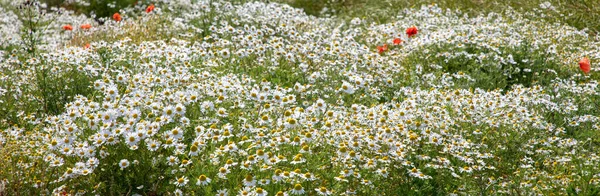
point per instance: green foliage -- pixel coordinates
(54, 84)
(528, 68)
(316, 7)
(48, 96)
(142, 175)
(100, 8)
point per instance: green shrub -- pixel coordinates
(529, 67)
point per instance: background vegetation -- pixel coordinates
(577, 13)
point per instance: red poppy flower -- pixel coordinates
(67, 27)
(382, 49)
(397, 41)
(86, 46)
(85, 26)
(117, 17)
(584, 65)
(150, 8)
(411, 31)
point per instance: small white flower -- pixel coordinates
(124, 163)
(297, 190)
(347, 88)
(181, 181)
(203, 180)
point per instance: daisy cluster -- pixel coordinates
(261, 99)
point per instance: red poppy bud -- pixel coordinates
(67, 27)
(397, 41)
(584, 65)
(411, 31)
(150, 8)
(85, 26)
(117, 17)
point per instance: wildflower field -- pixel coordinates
(214, 97)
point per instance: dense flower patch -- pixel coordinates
(262, 99)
